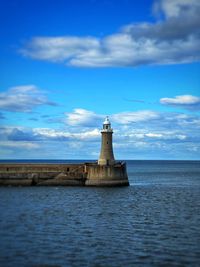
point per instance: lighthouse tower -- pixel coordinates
(106, 155)
(107, 172)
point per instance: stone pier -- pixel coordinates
(90, 174)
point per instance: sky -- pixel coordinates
(66, 64)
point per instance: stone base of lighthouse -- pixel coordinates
(106, 175)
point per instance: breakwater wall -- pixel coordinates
(90, 174)
(98, 175)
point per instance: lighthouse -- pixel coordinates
(106, 155)
(107, 172)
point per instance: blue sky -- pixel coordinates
(65, 65)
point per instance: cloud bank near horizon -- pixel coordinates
(142, 134)
(173, 39)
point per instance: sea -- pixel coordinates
(153, 222)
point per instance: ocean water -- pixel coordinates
(153, 222)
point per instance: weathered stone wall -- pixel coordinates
(107, 175)
(63, 174)
(106, 155)
(42, 174)
(41, 168)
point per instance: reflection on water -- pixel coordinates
(154, 222)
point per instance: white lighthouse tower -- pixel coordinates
(106, 155)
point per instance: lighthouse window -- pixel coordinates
(106, 126)
(107, 143)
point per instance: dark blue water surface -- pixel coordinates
(153, 222)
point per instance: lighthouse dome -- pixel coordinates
(107, 125)
(106, 120)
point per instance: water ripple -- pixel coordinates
(155, 222)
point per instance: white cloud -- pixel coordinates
(174, 39)
(86, 118)
(23, 99)
(88, 135)
(137, 116)
(83, 117)
(52, 134)
(175, 8)
(21, 145)
(184, 101)
(57, 49)
(154, 135)
(139, 134)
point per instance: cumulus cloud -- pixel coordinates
(19, 134)
(58, 49)
(183, 101)
(137, 116)
(86, 118)
(23, 99)
(21, 145)
(83, 117)
(176, 8)
(175, 38)
(58, 135)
